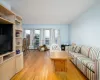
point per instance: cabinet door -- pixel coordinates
(19, 62)
(7, 69)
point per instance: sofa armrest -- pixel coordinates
(66, 48)
(70, 48)
(97, 69)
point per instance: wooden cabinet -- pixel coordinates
(11, 66)
(7, 69)
(19, 62)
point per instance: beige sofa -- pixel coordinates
(86, 59)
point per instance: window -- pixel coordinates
(39, 37)
(47, 37)
(36, 39)
(56, 36)
(27, 33)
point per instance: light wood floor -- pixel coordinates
(38, 66)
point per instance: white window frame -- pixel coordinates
(58, 38)
(44, 36)
(39, 38)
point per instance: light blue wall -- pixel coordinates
(86, 29)
(63, 29)
(69, 34)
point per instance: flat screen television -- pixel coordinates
(6, 38)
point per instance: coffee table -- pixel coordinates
(59, 60)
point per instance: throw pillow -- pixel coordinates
(74, 47)
(77, 49)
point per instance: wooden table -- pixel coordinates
(60, 60)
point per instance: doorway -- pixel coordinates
(37, 37)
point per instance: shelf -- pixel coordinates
(1, 60)
(18, 17)
(18, 45)
(18, 37)
(7, 53)
(5, 10)
(19, 30)
(5, 21)
(19, 54)
(6, 57)
(18, 20)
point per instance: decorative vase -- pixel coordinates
(17, 34)
(18, 51)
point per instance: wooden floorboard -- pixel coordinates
(38, 66)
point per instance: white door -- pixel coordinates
(57, 36)
(47, 37)
(27, 36)
(37, 38)
(27, 33)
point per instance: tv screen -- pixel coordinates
(6, 38)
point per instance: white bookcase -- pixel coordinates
(11, 62)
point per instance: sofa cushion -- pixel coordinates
(66, 48)
(87, 62)
(70, 48)
(85, 50)
(91, 66)
(74, 56)
(77, 49)
(77, 55)
(71, 53)
(73, 48)
(94, 53)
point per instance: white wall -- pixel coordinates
(86, 29)
(63, 29)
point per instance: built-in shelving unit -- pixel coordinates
(8, 56)
(6, 14)
(4, 21)
(11, 61)
(9, 17)
(5, 10)
(18, 37)
(18, 30)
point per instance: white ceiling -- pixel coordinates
(50, 11)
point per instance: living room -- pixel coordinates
(73, 24)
